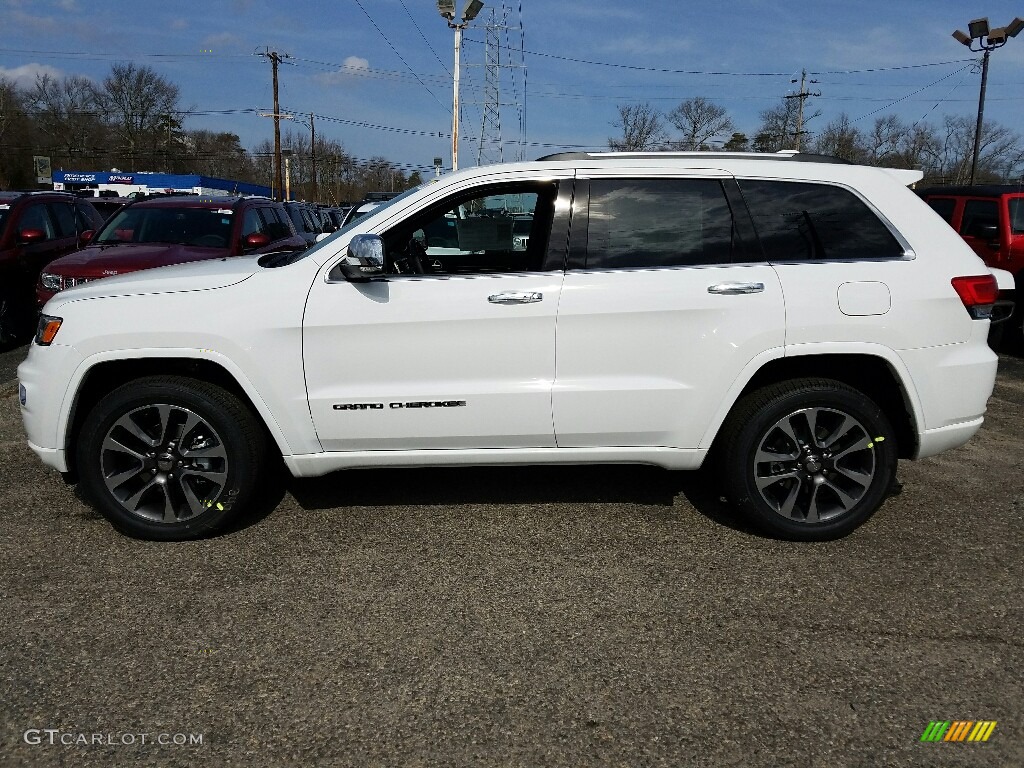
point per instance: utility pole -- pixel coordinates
(275, 59)
(312, 152)
(803, 96)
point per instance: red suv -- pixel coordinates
(35, 229)
(990, 218)
(172, 230)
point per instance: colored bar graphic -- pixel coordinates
(958, 730)
(935, 731)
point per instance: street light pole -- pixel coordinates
(987, 40)
(470, 10)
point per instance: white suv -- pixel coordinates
(802, 323)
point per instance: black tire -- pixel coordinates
(807, 459)
(169, 458)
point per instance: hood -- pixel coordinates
(196, 276)
(104, 260)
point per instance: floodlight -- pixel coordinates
(962, 37)
(1015, 27)
(446, 8)
(471, 9)
(997, 36)
(978, 28)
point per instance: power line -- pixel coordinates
(400, 57)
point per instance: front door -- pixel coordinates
(456, 349)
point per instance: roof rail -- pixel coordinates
(786, 154)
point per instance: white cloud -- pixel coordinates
(353, 66)
(25, 75)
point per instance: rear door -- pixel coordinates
(664, 305)
(980, 228)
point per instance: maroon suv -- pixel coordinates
(172, 230)
(35, 229)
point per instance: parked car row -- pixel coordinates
(50, 241)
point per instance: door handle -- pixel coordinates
(734, 289)
(516, 297)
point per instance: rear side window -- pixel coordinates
(659, 223)
(943, 206)
(800, 221)
(980, 216)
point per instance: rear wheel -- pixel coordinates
(170, 458)
(808, 459)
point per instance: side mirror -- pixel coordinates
(86, 237)
(364, 261)
(256, 240)
(30, 236)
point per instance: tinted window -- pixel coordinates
(659, 223)
(36, 217)
(979, 218)
(473, 233)
(276, 223)
(943, 206)
(251, 223)
(64, 215)
(1017, 215)
(203, 227)
(798, 221)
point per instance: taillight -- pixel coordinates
(978, 293)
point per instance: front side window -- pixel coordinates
(64, 214)
(37, 217)
(1017, 215)
(493, 230)
(804, 221)
(651, 223)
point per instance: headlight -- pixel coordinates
(50, 282)
(47, 329)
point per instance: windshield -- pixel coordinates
(200, 227)
(303, 254)
(1017, 215)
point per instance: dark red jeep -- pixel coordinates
(172, 230)
(35, 229)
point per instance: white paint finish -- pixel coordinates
(644, 356)
(864, 298)
(432, 339)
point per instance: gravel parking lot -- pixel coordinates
(532, 617)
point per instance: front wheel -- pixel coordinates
(170, 458)
(808, 459)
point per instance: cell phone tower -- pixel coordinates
(504, 72)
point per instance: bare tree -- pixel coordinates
(778, 127)
(16, 138)
(841, 139)
(68, 115)
(699, 120)
(642, 128)
(143, 109)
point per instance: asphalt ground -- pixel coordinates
(579, 616)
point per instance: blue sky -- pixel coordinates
(378, 72)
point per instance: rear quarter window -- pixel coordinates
(804, 221)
